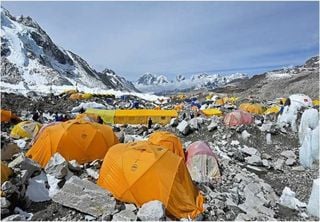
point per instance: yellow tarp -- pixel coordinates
(75, 140)
(6, 172)
(141, 116)
(315, 102)
(167, 140)
(212, 112)
(140, 172)
(272, 110)
(106, 115)
(251, 108)
(25, 129)
(86, 96)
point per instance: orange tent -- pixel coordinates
(168, 141)
(140, 172)
(251, 108)
(75, 140)
(7, 115)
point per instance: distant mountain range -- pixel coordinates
(158, 83)
(30, 58)
(279, 83)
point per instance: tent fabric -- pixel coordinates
(106, 115)
(168, 141)
(25, 129)
(237, 118)
(301, 100)
(212, 112)
(272, 110)
(251, 108)
(141, 116)
(5, 115)
(202, 163)
(315, 102)
(6, 172)
(76, 96)
(42, 129)
(75, 140)
(219, 102)
(140, 172)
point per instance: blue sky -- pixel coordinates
(180, 37)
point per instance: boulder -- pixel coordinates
(278, 165)
(245, 135)
(125, 215)
(5, 203)
(74, 166)
(9, 150)
(85, 197)
(212, 126)
(151, 211)
(57, 166)
(250, 151)
(92, 173)
(288, 199)
(184, 127)
(290, 162)
(174, 122)
(288, 154)
(24, 163)
(254, 160)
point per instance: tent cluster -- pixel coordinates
(137, 172)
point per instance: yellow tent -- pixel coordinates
(86, 96)
(251, 108)
(212, 112)
(106, 115)
(76, 96)
(141, 116)
(315, 102)
(167, 140)
(272, 110)
(75, 140)
(25, 129)
(219, 102)
(208, 97)
(6, 172)
(140, 172)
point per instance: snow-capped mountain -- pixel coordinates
(153, 83)
(148, 79)
(180, 78)
(30, 58)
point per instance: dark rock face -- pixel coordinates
(54, 65)
(9, 72)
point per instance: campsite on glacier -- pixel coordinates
(89, 145)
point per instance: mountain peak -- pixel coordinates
(30, 57)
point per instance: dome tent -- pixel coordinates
(167, 140)
(75, 140)
(202, 163)
(251, 108)
(25, 129)
(237, 118)
(140, 172)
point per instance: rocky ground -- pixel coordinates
(257, 163)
